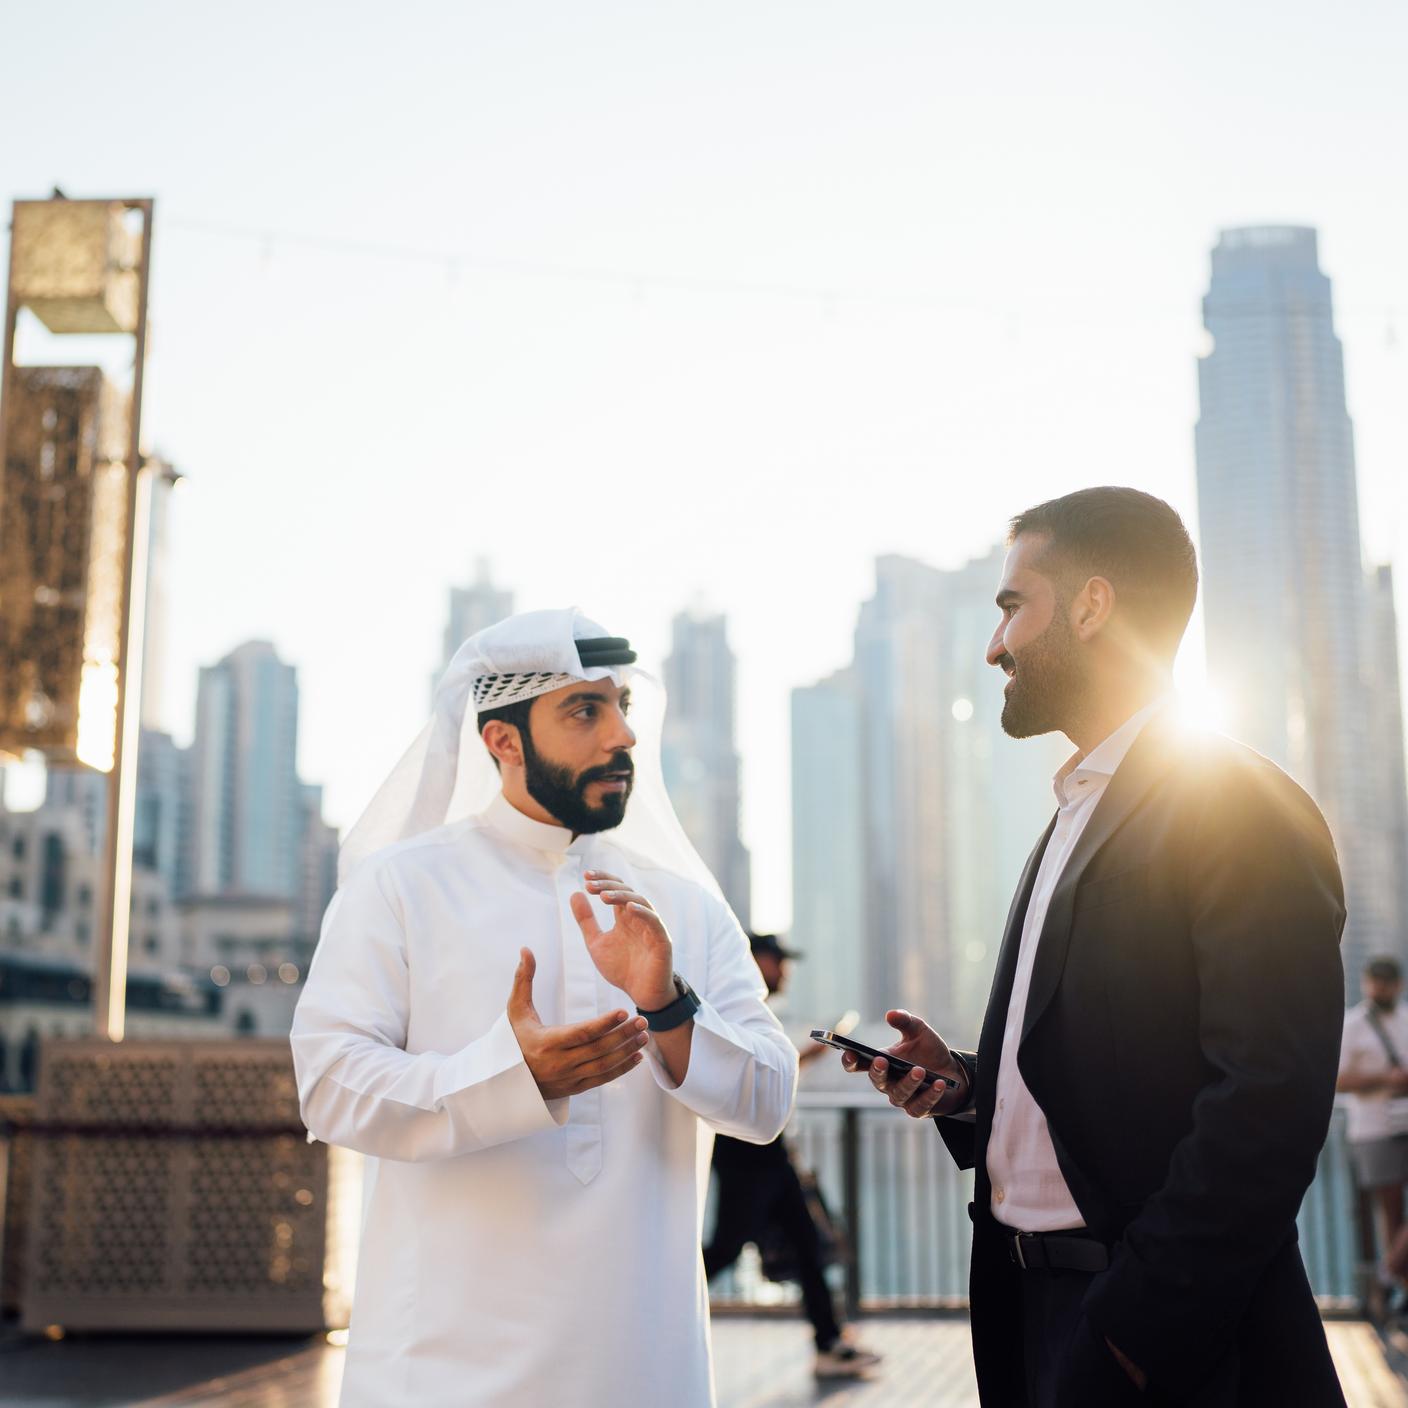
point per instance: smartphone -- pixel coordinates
(869, 1053)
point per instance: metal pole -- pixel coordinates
(850, 1198)
(12, 314)
(110, 976)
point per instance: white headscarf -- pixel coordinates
(448, 774)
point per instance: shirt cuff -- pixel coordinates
(710, 1084)
(489, 1084)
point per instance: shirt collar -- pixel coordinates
(1083, 772)
(504, 817)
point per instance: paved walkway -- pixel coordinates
(761, 1363)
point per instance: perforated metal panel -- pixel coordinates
(174, 1188)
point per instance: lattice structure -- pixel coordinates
(16, 1178)
(62, 539)
(174, 1189)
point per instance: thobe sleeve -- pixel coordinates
(359, 1087)
(742, 1075)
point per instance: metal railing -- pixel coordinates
(905, 1209)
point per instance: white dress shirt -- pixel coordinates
(516, 1251)
(1377, 1114)
(1029, 1192)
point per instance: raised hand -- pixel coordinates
(570, 1059)
(635, 954)
(922, 1045)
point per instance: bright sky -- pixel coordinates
(744, 294)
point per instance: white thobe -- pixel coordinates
(518, 1252)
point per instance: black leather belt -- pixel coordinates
(1056, 1251)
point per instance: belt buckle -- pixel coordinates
(1017, 1254)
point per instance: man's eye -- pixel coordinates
(587, 712)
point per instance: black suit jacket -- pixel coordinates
(1182, 1037)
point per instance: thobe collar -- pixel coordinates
(536, 835)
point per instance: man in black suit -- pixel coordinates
(1157, 1064)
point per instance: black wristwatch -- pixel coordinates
(666, 1019)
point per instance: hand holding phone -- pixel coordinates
(866, 1054)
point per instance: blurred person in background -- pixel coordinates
(531, 1009)
(1373, 1075)
(761, 1192)
(1156, 1069)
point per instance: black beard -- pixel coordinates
(1385, 1005)
(561, 795)
(1045, 692)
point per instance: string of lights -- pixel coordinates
(825, 299)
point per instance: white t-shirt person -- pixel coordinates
(1378, 1114)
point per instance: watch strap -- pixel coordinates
(677, 1013)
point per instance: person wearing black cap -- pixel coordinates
(759, 1190)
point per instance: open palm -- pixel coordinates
(635, 954)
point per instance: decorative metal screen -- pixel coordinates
(63, 484)
(174, 1188)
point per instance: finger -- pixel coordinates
(586, 920)
(906, 1087)
(609, 1056)
(607, 1076)
(624, 897)
(905, 1022)
(879, 1073)
(601, 879)
(923, 1102)
(587, 1033)
(520, 995)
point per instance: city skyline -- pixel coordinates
(1314, 685)
(635, 342)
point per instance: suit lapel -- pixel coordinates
(1146, 763)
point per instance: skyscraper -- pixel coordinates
(828, 850)
(700, 754)
(472, 608)
(1294, 627)
(247, 805)
(905, 786)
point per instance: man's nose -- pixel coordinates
(996, 649)
(623, 736)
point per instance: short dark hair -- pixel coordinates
(1384, 968)
(1135, 541)
(515, 714)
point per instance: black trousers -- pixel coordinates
(758, 1189)
(1069, 1365)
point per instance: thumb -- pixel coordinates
(906, 1023)
(520, 996)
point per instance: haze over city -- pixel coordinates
(616, 300)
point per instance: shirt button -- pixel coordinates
(1000, 1195)
(1001, 1103)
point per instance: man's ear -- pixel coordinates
(1092, 608)
(503, 743)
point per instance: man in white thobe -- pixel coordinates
(533, 1019)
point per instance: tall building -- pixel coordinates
(1294, 627)
(828, 850)
(246, 799)
(318, 846)
(163, 812)
(472, 608)
(700, 752)
(913, 813)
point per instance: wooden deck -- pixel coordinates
(761, 1363)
